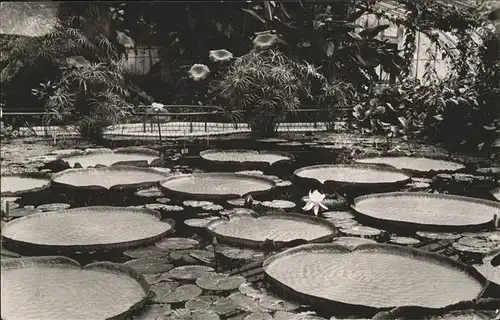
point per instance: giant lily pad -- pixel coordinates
(13, 185)
(88, 228)
(354, 175)
(219, 185)
(415, 164)
(381, 279)
(245, 158)
(109, 178)
(37, 288)
(279, 228)
(107, 157)
(428, 210)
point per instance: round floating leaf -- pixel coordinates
(279, 204)
(111, 291)
(163, 289)
(150, 266)
(418, 185)
(241, 202)
(21, 212)
(161, 169)
(182, 293)
(212, 207)
(177, 243)
(13, 185)
(159, 277)
(260, 316)
(107, 157)
(149, 252)
(354, 175)
(152, 311)
(196, 204)
(223, 306)
(53, 206)
(183, 256)
(230, 157)
(416, 164)
(157, 206)
(192, 272)
(438, 235)
(337, 215)
(344, 223)
(200, 303)
(476, 245)
(245, 302)
(121, 177)
(326, 271)
(204, 256)
(285, 315)
(88, 229)
(219, 282)
(177, 314)
(152, 192)
(249, 290)
(254, 172)
(198, 222)
(291, 144)
(279, 228)
(274, 303)
(427, 210)
(283, 183)
(205, 315)
(361, 231)
(272, 140)
(217, 185)
(238, 211)
(404, 240)
(172, 208)
(352, 242)
(237, 253)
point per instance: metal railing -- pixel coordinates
(162, 124)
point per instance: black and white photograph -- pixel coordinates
(250, 160)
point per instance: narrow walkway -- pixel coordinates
(172, 129)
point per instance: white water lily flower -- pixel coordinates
(220, 55)
(198, 72)
(314, 202)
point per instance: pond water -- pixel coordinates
(255, 298)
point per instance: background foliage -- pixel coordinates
(323, 34)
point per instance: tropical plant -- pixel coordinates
(395, 111)
(325, 35)
(89, 96)
(264, 86)
(73, 71)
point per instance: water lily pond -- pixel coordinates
(316, 227)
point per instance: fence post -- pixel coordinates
(159, 126)
(191, 126)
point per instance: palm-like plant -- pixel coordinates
(73, 71)
(266, 85)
